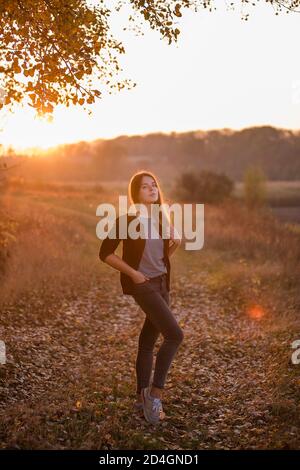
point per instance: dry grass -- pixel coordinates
(47, 249)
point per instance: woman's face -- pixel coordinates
(148, 190)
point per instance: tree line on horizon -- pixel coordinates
(276, 151)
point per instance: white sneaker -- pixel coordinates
(152, 407)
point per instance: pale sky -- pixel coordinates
(223, 73)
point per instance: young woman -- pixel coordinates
(145, 274)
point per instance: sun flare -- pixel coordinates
(256, 312)
(23, 130)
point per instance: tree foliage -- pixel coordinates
(62, 51)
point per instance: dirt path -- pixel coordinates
(69, 381)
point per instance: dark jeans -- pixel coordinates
(153, 298)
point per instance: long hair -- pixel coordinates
(134, 188)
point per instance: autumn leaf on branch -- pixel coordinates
(53, 50)
(61, 51)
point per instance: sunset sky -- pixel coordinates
(223, 73)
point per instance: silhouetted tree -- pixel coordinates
(254, 187)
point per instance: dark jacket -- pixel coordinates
(132, 252)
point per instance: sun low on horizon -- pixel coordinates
(24, 130)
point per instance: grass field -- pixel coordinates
(71, 336)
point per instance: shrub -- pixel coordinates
(254, 187)
(203, 187)
(7, 238)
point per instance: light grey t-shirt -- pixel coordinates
(152, 263)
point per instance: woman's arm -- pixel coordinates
(107, 255)
(174, 247)
(116, 262)
(175, 241)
